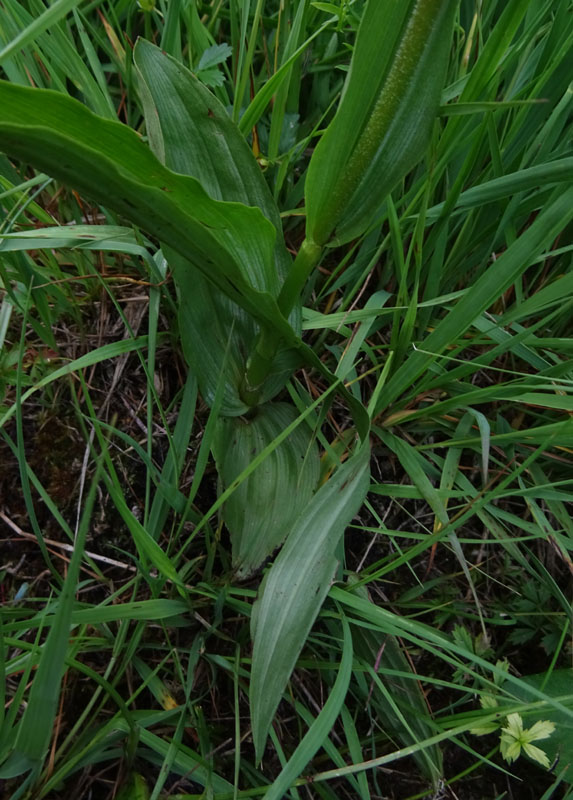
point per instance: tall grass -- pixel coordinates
(127, 660)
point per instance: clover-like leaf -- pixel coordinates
(515, 738)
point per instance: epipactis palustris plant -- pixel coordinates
(197, 187)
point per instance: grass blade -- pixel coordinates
(50, 16)
(508, 267)
(35, 728)
(321, 726)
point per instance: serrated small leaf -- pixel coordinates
(214, 55)
(559, 744)
(295, 587)
(262, 510)
(211, 76)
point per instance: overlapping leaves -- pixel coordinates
(190, 131)
(262, 510)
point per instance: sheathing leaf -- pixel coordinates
(232, 244)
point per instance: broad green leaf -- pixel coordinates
(296, 585)
(383, 124)
(232, 244)
(329, 8)
(262, 510)
(190, 130)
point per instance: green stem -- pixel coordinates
(308, 257)
(261, 359)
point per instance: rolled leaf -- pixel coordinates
(190, 131)
(295, 587)
(231, 331)
(383, 124)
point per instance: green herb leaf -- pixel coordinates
(295, 587)
(232, 244)
(383, 124)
